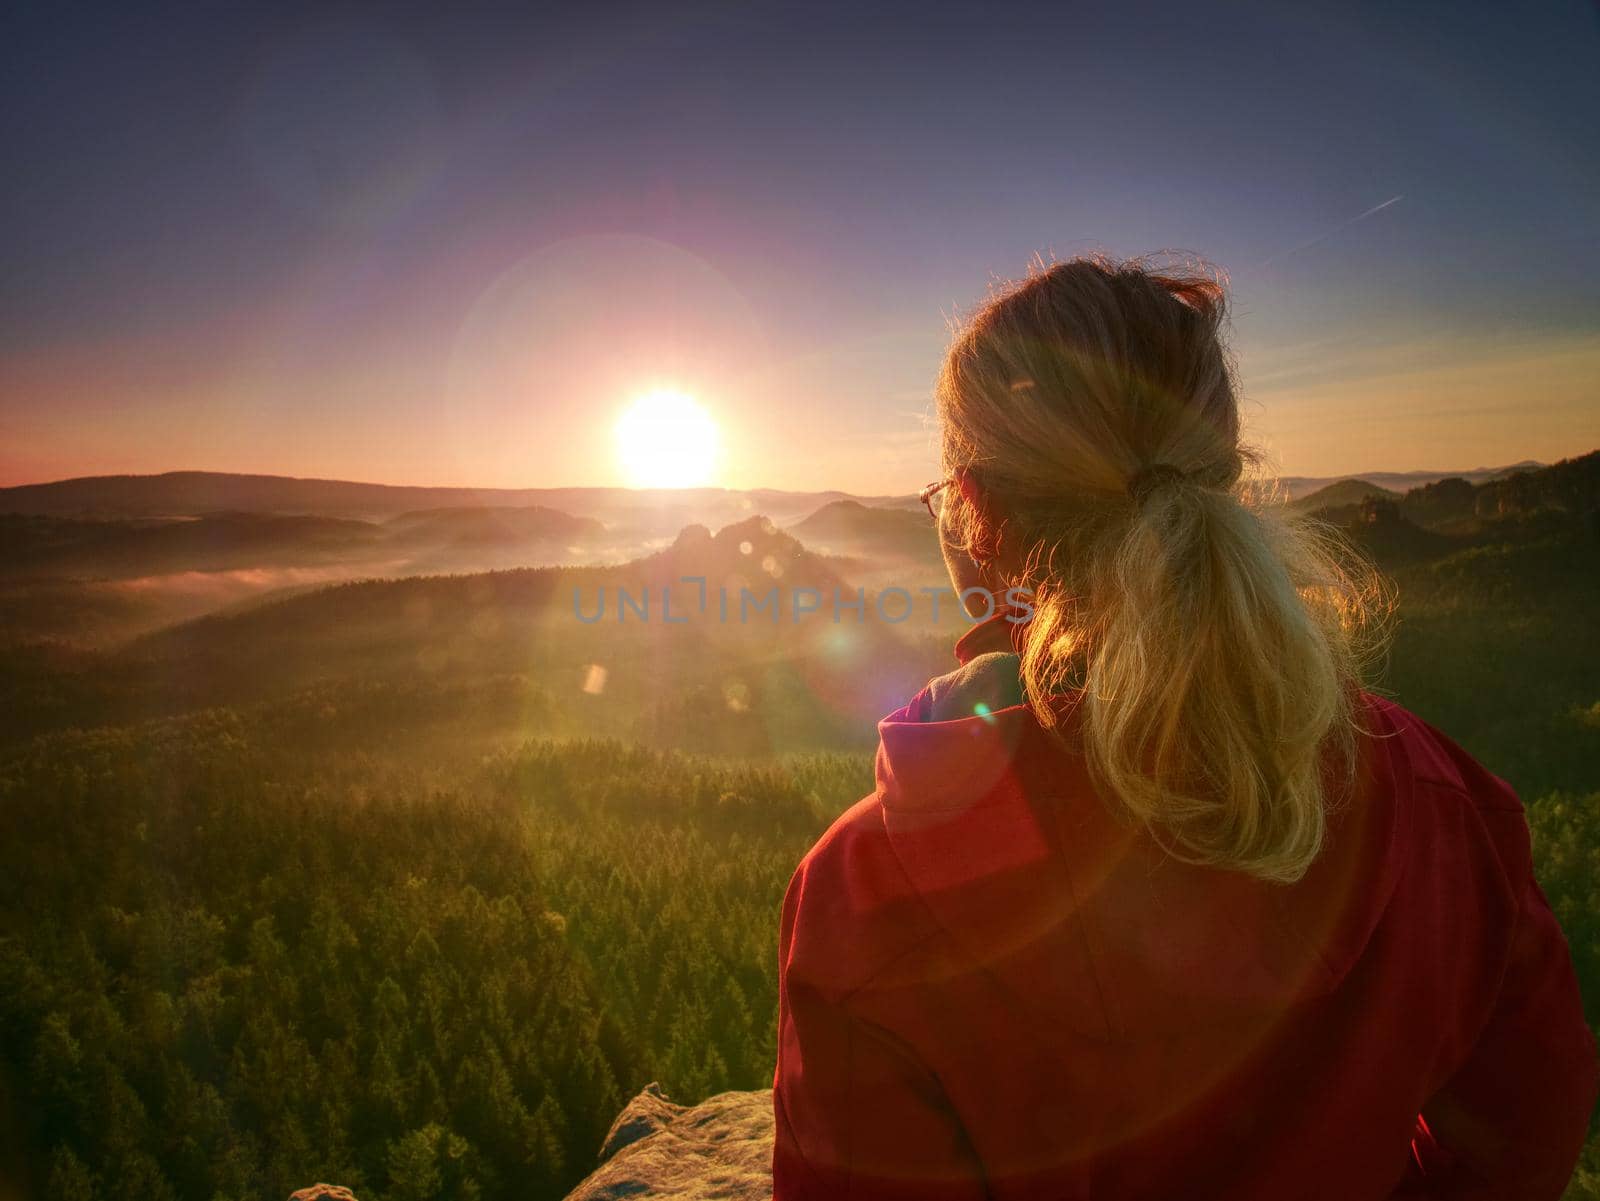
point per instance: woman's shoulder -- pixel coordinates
(850, 910)
(851, 872)
(1454, 807)
(1429, 757)
(854, 845)
(953, 772)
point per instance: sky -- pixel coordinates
(449, 244)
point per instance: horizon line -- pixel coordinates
(435, 487)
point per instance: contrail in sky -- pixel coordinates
(1343, 225)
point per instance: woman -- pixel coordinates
(1151, 900)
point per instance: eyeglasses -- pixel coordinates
(930, 497)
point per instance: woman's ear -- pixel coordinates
(972, 492)
(975, 494)
(987, 530)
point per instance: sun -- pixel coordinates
(667, 440)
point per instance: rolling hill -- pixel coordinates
(851, 528)
(492, 524)
(1298, 486)
(191, 493)
(726, 663)
(43, 546)
(1344, 494)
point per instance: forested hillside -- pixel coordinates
(229, 967)
(410, 883)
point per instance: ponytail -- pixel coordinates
(1211, 642)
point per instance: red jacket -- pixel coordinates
(992, 989)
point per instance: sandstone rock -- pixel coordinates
(323, 1192)
(719, 1150)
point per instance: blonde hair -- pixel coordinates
(1215, 642)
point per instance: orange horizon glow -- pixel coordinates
(520, 391)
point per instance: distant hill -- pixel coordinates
(1341, 495)
(1459, 506)
(713, 672)
(1572, 485)
(850, 527)
(1559, 504)
(189, 493)
(479, 525)
(43, 546)
(1298, 486)
(852, 519)
(752, 554)
(39, 546)
(192, 493)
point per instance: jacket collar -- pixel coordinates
(1000, 631)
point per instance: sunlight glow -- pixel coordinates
(666, 440)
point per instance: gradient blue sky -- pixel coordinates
(447, 244)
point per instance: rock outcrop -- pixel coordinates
(323, 1192)
(721, 1148)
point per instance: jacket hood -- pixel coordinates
(1084, 918)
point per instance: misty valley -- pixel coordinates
(343, 840)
